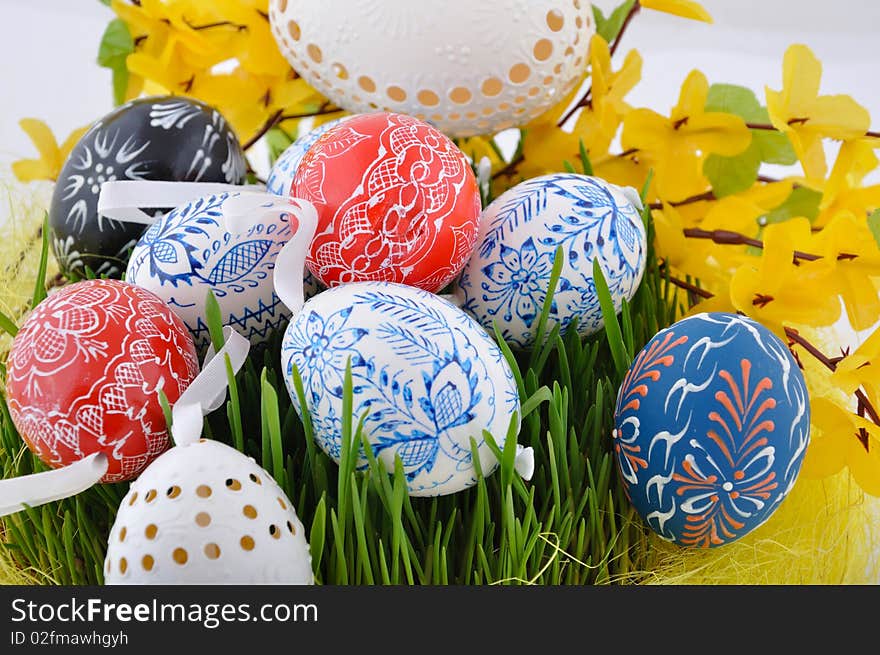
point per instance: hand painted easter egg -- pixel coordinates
(284, 169)
(190, 251)
(84, 372)
(507, 62)
(203, 513)
(507, 278)
(397, 201)
(711, 425)
(427, 376)
(160, 138)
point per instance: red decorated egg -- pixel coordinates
(84, 372)
(397, 201)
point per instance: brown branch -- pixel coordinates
(222, 23)
(510, 169)
(323, 111)
(796, 121)
(708, 196)
(729, 238)
(272, 121)
(585, 100)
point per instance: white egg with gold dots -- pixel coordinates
(204, 513)
(468, 68)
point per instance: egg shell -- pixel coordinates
(284, 168)
(203, 513)
(711, 425)
(189, 252)
(84, 372)
(397, 201)
(507, 278)
(426, 375)
(158, 138)
(507, 62)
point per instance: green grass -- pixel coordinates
(571, 524)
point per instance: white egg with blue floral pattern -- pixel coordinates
(425, 375)
(507, 278)
(285, 166)
(189, 252)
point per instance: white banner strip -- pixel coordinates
(207, 391)
(41, 488)
(125, 200)
(291, 261)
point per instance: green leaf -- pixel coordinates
(621, 358)
(116, 45)
(609, 28)
(729, 175)
(801, 202)
(874, 224)
(278, 141)
(40, 284)
(8, 325)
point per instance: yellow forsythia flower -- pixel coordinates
(843, 439)
(683, 8)
(681, 142)
(774, 290)
(52, 156)
(806, 117)
(843, 191)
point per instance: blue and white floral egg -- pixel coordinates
(507, 278)
(711, 426)
(285, 166)
(189, 251)
(425, 374)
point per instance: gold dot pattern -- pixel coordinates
(203, 491)
(396, 93)
(122, 533)
(555, 20)
(340, 71)
(428, 98)
(249, 511)
(367, 84)
(233, 485)
(147, 562)
(123, 565)
(282, 503)
(247, 542)
(203, 519)
(134, 498)
(315, 53)
(180, 556)
(460, 95)
(274, 531)
(519, 73)
(150, 531)
(492, 87)
(543, 50)
(255, 479)
(290, 528)
(212, 551)
(293, 30)
(173, 492)
(151, 496)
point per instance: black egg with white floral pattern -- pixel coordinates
(168, 138)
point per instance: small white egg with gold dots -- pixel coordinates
(204, 513)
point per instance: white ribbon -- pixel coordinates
(290, 263)
(207, 392)
(125, 200)
(41, 488)
(204, 394)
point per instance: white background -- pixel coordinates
(48, 50)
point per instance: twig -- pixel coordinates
(730, 238)
(585, 100)
(272, 121)
(700, 197)
(796, 121)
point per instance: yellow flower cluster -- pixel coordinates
(796, 254)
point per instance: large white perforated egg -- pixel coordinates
(469, 68)
(203, 513)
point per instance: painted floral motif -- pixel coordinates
(396, 201)
(520, 232)
(426, 379)
(712, 423)
(189, 251)
(85, 369)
